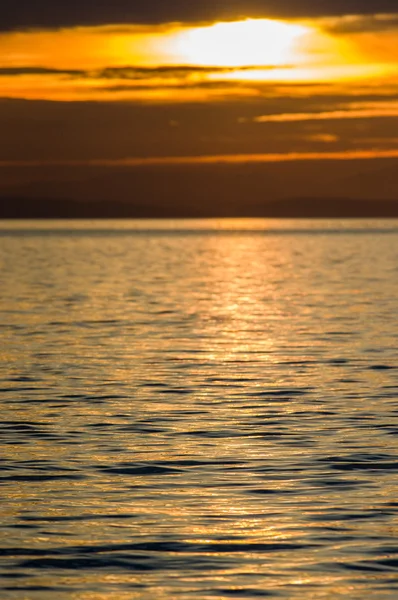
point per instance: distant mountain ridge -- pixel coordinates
(45, 208)
(315, 189)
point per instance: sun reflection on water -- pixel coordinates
(215, 418)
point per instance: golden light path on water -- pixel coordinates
(210, 423)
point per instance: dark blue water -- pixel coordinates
(199, 410)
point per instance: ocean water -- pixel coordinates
(203, 410)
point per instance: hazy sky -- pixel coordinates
(104, 84)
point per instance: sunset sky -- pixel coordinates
(101, 85)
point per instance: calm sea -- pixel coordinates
(203, 410)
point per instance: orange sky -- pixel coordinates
(103, 62)
(258, 90)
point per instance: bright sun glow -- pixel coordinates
(251, 42)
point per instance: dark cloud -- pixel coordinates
(181, 85)
(181, 72)
(364, 24)
(170, 71)
(22, 14)
(15, 71)
(39, 130)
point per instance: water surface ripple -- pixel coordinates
(199, 410)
